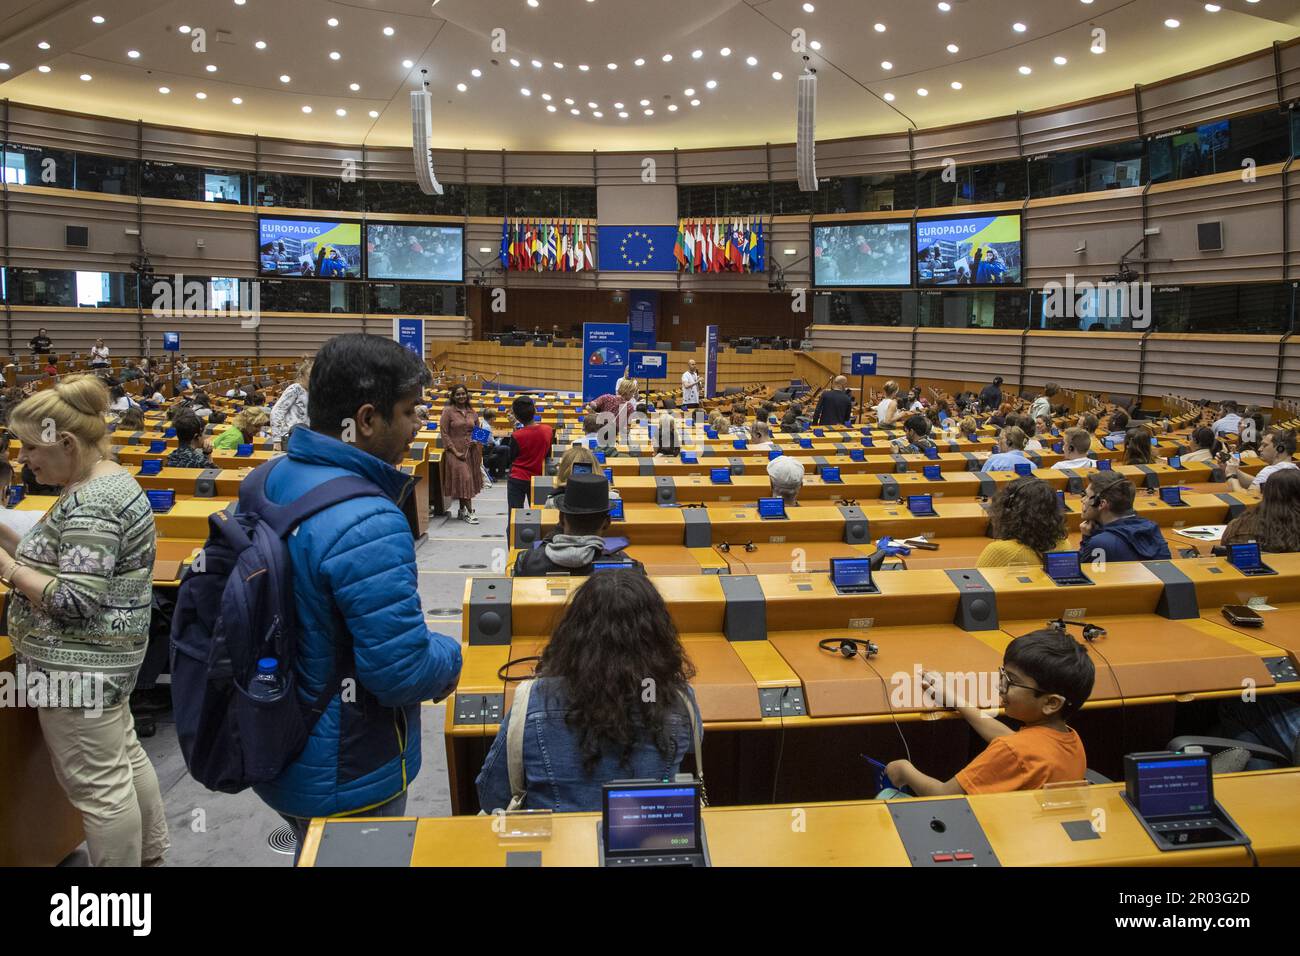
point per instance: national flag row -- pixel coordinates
(720, 245)
(553, 245)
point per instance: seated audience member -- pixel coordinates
(578, 541)
(785, 475)
(1137, 446)
(153, 393)
(1205, 446)
(589, 721)
(888, 410)
(1046, 676)
(668, 435)
(737, 428)
(591, 428)
(760, 436)
(243, 429)
(970, 428)
(1042, 405)
(118, 400)
(1026, 523)
(1011, 444)
(1003, 416)
(793, 420)
(617, 408)
(1252, 430)
(1111, 528)
(1077, 443)
(1088, 422)
(913, 400)
(1229, 420)
(1030, 427)
(496, 454)
(720, 423)
(1276, 449)
(916, 436)
(576, 455)
(192, 449)
(1275, 521)
(1117, 427)
(131, 420)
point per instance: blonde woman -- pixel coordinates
(81, 586)
(576, 455)
(243, 429)
(887, 409)
(290, 408)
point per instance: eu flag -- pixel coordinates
(637, 248)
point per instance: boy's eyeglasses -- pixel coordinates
(1006, 683)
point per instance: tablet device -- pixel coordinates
(1063, 568)
(157, 445)
(609, 475)
(831, 475)
(740, 444)
(857, 454)
(1176, 461)
(867, 442)
(771, 507)
(651, 823)
(852, 576)
(1024, 469)
(932, 473)
(161, 501)
(819, 432)
(805, 442)
(690, 458)
(151, 466)
(1172, 495)
(615, 509)
(1246, 559)
(774, 453)
(243, 451)
(720, 476)
(600, 457)
(16, 494)
(1105, 464)
(932, 453)
(591, 443)
(922, 506)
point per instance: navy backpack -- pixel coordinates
(235, 606)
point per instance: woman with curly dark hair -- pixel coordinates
(1026, 523)
(1275, 521)
(611, 700)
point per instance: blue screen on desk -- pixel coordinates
(1244, 555)
(720, 476)
(1062, 564)
(850, 572)
(161, 500)
(581, 468)
(658, 819)
(1173, 787)
(831, 474)
(616, 509)
(1172, 495)
(771, 507)
(920, 504)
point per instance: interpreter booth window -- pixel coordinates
(223, 187)
(42, 287)
(885, 192)
(171, 181)
(864, 308)
(331, 192)
(399, 298)
(38, 166)
(311, 296)
(106, 174)
(1000, 182)
(944, 186)
(745, 199)
(1249, 308)
(1088, 308)
(787, 199)
(1256, 139)
(974, 310)
(1093, 169)
(224, 294)
(485, 199)
(696, 201)
(386, 195)
(281, 189)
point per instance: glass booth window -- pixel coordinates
(223, 187)
(38, 166)
(974, 310)
(1225, 145)
(1094, 169)
(106, 174)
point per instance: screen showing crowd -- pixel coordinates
(974, 250)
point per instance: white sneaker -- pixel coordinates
(469, 517)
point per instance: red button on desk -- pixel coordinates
(963, 856)
(941, 857)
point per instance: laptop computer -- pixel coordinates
(831, 475)
(921, 506)
(852, 576)
(1246, 559)
(1063, 568)
(690, 458)
(771, 508)
(651, 823)
(1173, 797)
(720, 476)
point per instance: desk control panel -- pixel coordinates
(941, 833)
(1282, 669)
(782, 702)
(478, 708)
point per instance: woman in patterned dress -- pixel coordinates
(81, 581)
(462, 456)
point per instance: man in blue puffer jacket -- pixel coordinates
(354, 574)
(1111, 529)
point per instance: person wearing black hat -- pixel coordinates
(579, 542)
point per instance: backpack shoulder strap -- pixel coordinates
(284, 518)
(515, 742)
(693, 715)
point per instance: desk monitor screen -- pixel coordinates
(243, 451)
(1062, 565)
(609, 475)
(1104, 464)
(805, 442)
(920, 505)
(600, 457)
(690, 458)
(740, 444)
(616, 509)
(857, 454)
(1244, 556)
(581, 468)
(868, 442)
(720, 476)
(831, 474)
(151, 466)
(774, 454)
(591, 443)
(932, 473)
(161, 500)
(1171, 495)
(611, 565)
(1060, 502)
(851, 572)
(771, 507)
(1024, 468)
(656, 818)
(819, 432)
(1176, 461)
(932, 452)
(1172, 787)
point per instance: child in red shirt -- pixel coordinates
(529, 445)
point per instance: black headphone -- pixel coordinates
(849, 647)
(503, 672)
(1090, 631)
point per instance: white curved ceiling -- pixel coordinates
(554, 39)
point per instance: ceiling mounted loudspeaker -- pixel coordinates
(421, 127)
(806, 143)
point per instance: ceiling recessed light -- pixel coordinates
(1025, 71)
(410, 63)
(558, 65)
(43, 45)
(532, 3)
(374, 114)
(537, 64)
(696, 54)
(211, 68)
(1212, 8)
(645, 102)
(3, 66)
(695, 102)
(922, 92)
(649, 112)
(622, 115)
(332, 21)
(711, 84)
(96, 19)
(354, 87)
(514, 63)
(955, 84)
(484, 248)
(462, 87)
(284, 77)
(593, 106)
(889, 97)
(776, 75)
(335, 54)
(43, 68)
(611, 66)
(879, 28)
(886, 65)
(689, 91)
(546, 97)
(1172, 24)
(240, 3)
(576, 112)
(260, 44)
(237, 101)
(389, 31)
(945, 7)
(133, 54)
(808, 8)
(953, 48)
(525, 91)
(752, 60)
(86, 77)
(183, 28)
(568, 101)
(476, 72)
(725, 51)
(1060, 60)
(550, 109)
(672, 107)
(583, 67)
(667, 58)
(639, 61)
(340, 112)
(164, 90)
(1019, 27)
(306, 109)
(618, 106)
(816, 44)
(598, 114)
(200, 95)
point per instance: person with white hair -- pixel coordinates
(786, 477)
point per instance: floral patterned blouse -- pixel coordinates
(98, 545)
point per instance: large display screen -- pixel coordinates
(862, 254)
(968, 250)
(431, 253)
(316, 248)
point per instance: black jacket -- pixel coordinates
(834, 408)
(536, 563)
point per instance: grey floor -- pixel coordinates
(234, 830)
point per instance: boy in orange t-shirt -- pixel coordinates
(1045, 677)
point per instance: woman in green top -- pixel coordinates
(81, 580)
(243, 429)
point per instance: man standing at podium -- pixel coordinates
(690, 386)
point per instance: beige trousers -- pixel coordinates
(108, 777)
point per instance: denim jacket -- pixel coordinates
(554, 778)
